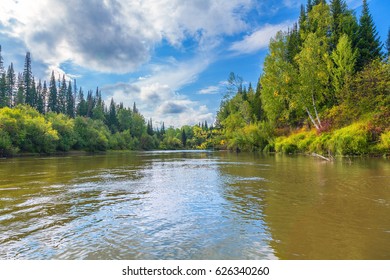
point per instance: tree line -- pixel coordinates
(41, 117)
(325, 88)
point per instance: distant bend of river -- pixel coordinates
(193, 205)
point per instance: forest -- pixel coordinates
(325, 89)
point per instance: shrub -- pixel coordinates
(351, 140)
(298, 142)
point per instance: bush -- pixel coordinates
(92, 135)
(65, 128)
(351, 140)
(28, 130)
(384, 144)
(6, 148)
(299, 142)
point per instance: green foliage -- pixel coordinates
(370, 88)
(28, 130)
(344, 59)
(278, 81)
(65, 129)
(351, 140)
(298, 142)
(92, 135)
(252, 137)
(384, 144)
(6, 147)
(314, 76)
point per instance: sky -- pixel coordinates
(171, 57)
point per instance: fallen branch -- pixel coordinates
(321, 157)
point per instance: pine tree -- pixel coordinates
(149, 128)
(302, 19)
(98, 110)
(70, 101)
(90, 104)
(82, 104)
(20, 97)
(112, 119)
(135, 110)
(61, 100)
(3, 90)
(52, 104)
(294, 44)
(34, 95)
(309, 6)
(11, 85)
(369, 44)
(74, 92)
(45, 96)
(40, 99)
(28, 80)
(338, 9)
(3, 84)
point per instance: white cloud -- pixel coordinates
(157, 95)
(214, 89)
(259, 39)
(210, 90)
(117, 35)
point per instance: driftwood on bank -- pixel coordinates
(322, 157)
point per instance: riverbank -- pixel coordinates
(358, 139)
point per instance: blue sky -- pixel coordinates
(171, 57)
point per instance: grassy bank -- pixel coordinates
(360, 138)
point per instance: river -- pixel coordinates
(194, 205)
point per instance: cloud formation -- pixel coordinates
(116, 35)
(259, 39)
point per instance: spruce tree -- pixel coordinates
(3, 90)
(40, 99)
(45, 96)
(28, 80)
(338, 9)
(294, 44)
(52, 104)
(98, 110)
(70, 101)
(11, 85)
(369, 44)
(149, 127)
(112, 120)
(90, 103)
(135, 110)
(61, 100)
(82, 104)
(20, 97)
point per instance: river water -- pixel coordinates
(194, 205)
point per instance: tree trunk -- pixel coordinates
(312, 119)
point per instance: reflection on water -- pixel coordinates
(193, 205)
